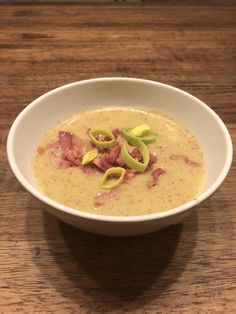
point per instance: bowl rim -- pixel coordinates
(108, 218)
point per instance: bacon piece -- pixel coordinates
(102, 164)
(113, 154)
(79, 147)
(137, 155)
(102, 137)
(78, 155)
(103, 197)
(72, 147)
(77, 143)
(65, 140)
(155, 175)
(152, 160)
(129, 175)
(116, 132)
(186, 160)
(59, 163)
(67, 150)
(120, 162)
(91, 171)
(40, 150)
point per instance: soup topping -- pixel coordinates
(117, 169)
(119, 154)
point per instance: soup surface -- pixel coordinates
(174, 178)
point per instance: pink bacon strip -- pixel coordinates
(59, 163)
(72, 147)
(186, 160)
(112, 156)
(116, 132)
(136, 155)
(65, 140)
(155, 176)
(102, 164)
(105, 196)
(66, 151)
(129, 175)
(91, 171)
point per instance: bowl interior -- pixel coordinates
(63, 102)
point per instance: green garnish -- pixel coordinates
(89, 156)
(147, 139)
(132, 162)
(137, 137)
(102, 144)
(108, 183)
(140, 130)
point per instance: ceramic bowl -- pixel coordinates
(63, 102)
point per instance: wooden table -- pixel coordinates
(47, 266)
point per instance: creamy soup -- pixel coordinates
(173, 178)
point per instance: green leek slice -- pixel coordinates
(89, 156)
(102, 144)
(132, 162)
(140, 130)
(107, 183)
(147, 139)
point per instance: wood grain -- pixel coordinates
(47, 266)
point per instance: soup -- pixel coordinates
(173, 173)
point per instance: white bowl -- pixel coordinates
(65, 101)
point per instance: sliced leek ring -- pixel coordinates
(132, 162)
(102, 144)
(147, 139)
(89, 156)
(108, 183)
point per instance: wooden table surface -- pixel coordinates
(47, 266)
